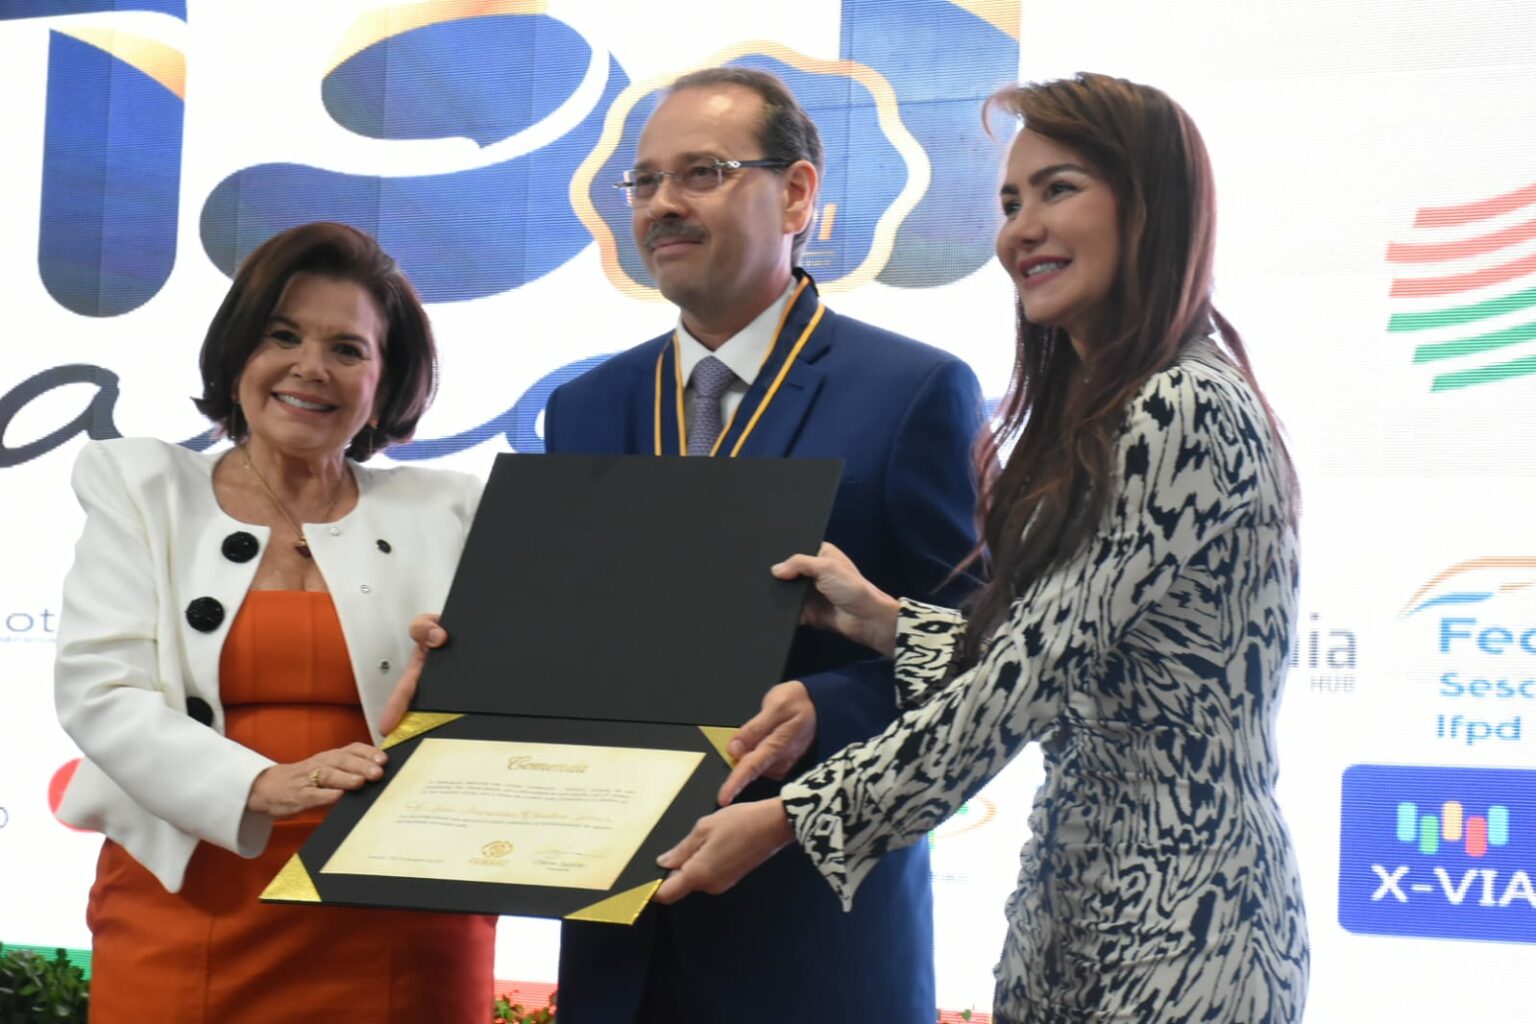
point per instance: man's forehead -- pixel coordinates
(716, 120)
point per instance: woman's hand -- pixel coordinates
(843, 601)
(427, 634)
(723, 847)
(284, 790)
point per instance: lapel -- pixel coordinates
(779, 425)
(769, 418)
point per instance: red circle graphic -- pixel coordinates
(56, 787)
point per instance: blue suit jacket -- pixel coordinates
(902, 417)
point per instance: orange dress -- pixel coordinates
(213, 953)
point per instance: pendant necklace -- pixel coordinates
(301, 545)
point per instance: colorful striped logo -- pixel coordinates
(1466, 290)
(1451, 825)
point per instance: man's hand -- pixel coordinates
(773, 741)
(723, 847)
(427, 634)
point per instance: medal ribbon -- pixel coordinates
(762, 405)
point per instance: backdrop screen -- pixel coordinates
(1377, 178)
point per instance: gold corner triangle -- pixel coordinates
(292, 884)
(719, 737)
(620, 909)
(414, 724)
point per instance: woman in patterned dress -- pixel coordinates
(1142, 543)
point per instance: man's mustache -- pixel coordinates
(682, 231)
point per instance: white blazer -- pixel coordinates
(132, 660)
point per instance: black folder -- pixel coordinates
(607, 601)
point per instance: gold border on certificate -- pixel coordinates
(515, 813)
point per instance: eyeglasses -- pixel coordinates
(640, 186)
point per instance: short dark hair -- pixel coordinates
(787, 132)
(409, 377)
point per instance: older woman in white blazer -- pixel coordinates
(233, 627)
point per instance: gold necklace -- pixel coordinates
(301, 545)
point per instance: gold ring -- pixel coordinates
(314, 777)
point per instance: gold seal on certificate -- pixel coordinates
(510, 813)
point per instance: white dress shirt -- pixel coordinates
(743, 352)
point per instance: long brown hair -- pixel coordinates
(1063, 413)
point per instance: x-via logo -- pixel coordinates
(1438, 852)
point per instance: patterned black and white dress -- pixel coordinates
(1160, 883)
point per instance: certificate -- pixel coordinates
(613, 621)
(515, 813)
(495, 814)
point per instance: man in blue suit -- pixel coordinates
(724, 191)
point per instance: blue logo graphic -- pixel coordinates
(13, 10)
(1438, 852)
(463, 233)
(892, 209)
(942, 60)
(909, 196)
(107, 232)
